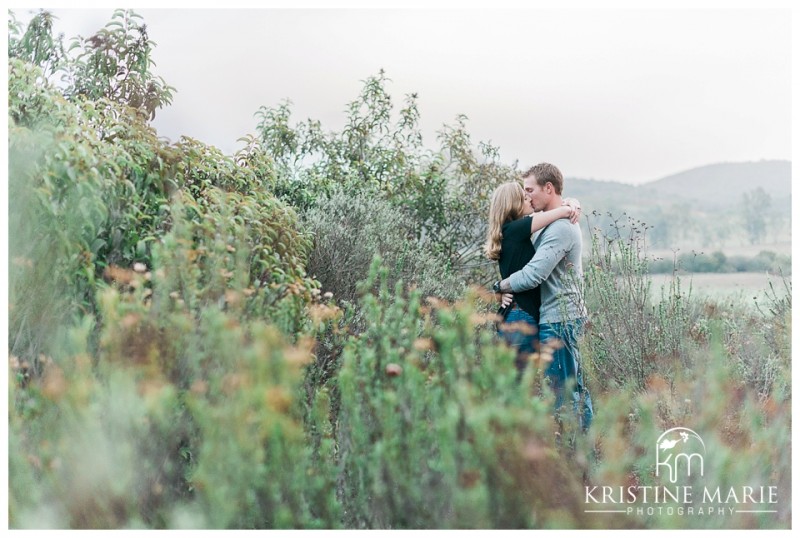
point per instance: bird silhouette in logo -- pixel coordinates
(666, 444)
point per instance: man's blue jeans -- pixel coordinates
(565, 369)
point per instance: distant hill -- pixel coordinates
(715, 187)
(723, 184)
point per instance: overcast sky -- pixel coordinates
(617, 94)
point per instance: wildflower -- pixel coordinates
(393, 370)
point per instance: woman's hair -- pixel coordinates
(508, 203)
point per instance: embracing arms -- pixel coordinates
(554, 245)
(571, 209)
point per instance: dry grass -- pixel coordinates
(742, 286)
(782, 248)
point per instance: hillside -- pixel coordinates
(697, 207)
(723, 184)
(716, 186)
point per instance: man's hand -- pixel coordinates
(506, 299)
(576, 209)
(504, 286)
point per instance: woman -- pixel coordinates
(508, 241)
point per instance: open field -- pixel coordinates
(783, 248)
(737, 286)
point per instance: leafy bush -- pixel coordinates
(182, 417)
(350, 229)
(114, 64)
(193, 247)
(444, 193)
(432, 428)
(94, 189)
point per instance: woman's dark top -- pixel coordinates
(517, 251)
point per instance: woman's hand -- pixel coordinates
(575, 205)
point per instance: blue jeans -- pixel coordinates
(566, 368)
(524, 342)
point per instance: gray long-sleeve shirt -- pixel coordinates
(557, 268)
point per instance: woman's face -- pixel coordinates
(527, 208)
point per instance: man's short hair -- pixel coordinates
(544, 173)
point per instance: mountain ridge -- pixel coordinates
(716, 186)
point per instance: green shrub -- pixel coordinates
(631, 336)
(434, 431)
(443, 193)
(186, 412)
(350, 229)
(112, 65)
(94, 189)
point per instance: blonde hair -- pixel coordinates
(508, 203)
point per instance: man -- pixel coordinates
(556, 268)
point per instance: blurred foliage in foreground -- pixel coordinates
(207, 341)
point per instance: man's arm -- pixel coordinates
(552, 248)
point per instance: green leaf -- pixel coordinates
(97, 244)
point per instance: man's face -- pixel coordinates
(535, 193)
